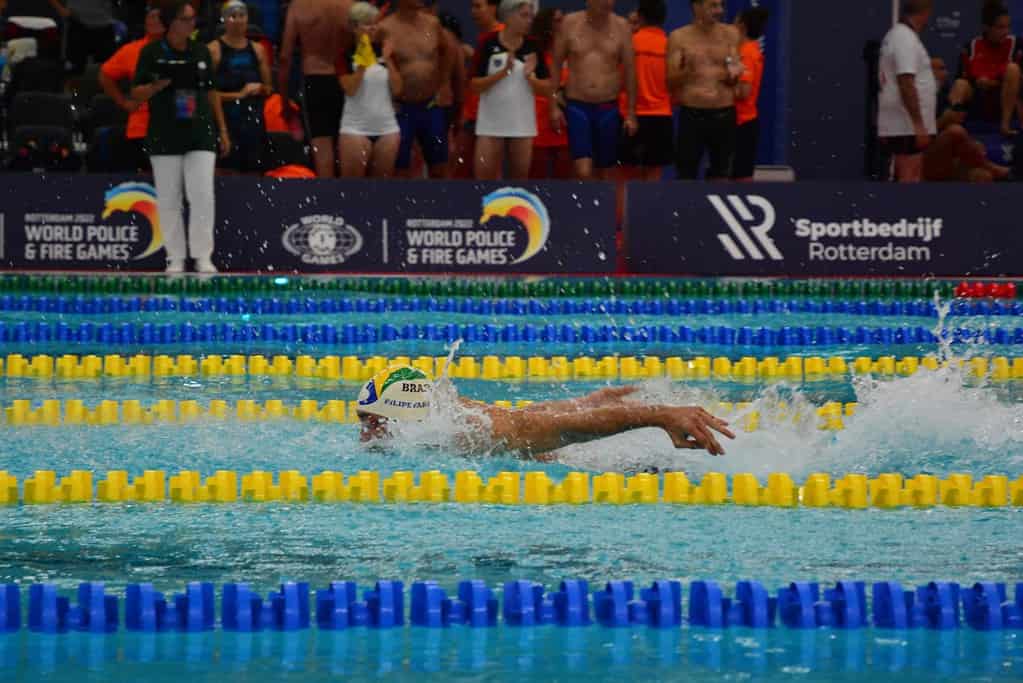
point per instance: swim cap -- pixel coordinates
(401, 392)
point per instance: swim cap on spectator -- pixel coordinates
(401, 392)
(232, 6)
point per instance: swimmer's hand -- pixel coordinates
(693, 428)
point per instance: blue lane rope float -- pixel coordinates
(108, 305)
(107, 334)
(940, 606)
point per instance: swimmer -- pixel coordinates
(597, 45)
(403, 393)
(422, 54)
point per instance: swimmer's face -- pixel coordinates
(237, 21)
(483, 13)
(601, 6)
(368, 29)
(999, 31)
(709, 10)
(633, 19)
(372, 427)
(521, 19)
(154, 27)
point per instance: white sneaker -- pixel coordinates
(175, 266)
(205, 265)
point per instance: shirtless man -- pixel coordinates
(703, 71)
(403, 394)
(423, 56)
(320, 27)
(598, 46)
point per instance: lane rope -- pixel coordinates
(780, 490)
(942, 606)
(354, 369)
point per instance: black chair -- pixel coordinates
(110, 152)
(85, 87)
(36, 75)
(41, 109)
(284, 150)
(102, 112)
(43, 148)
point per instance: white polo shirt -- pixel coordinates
(902, 52)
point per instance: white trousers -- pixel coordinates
(193, 173)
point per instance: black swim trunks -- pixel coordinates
(705, 130)
(324, 104)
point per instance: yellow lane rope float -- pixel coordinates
(56, 413)
(144, 367)
(852, 491)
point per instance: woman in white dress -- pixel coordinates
(369, 130)
(509, 71)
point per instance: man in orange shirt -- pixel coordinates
(751, 25)
(121, 67)
(644, 154)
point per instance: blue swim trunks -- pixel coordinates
(426, 124)
(593, 131)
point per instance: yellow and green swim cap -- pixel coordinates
(400, 392)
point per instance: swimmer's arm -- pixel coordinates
(911, 101)
(538, 432)
(628, 65)
(558, 61)
(351, 82)
(284, 57)
(676, 61)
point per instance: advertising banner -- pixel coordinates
(824, 229)
(96, 222)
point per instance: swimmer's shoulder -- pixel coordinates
(571, 19)
(680, 34)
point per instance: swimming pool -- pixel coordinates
(907, 419)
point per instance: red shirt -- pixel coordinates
(121, 67)
(981, 59)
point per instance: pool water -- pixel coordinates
(933, 422)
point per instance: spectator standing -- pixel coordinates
(175, 76)
(988, 86)
(907, 106)
(550, 147)
(509, 71)
(90, 31)
(644, 154)
(369, 130)
(243, 83)
(751, 24)
(120, 68)
(319, 27)
(423, 55)
(484, 16)
(598, 47)
(703, 71)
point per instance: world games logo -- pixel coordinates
(137, 198)
(527, 209)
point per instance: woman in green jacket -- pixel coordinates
(175, 75)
